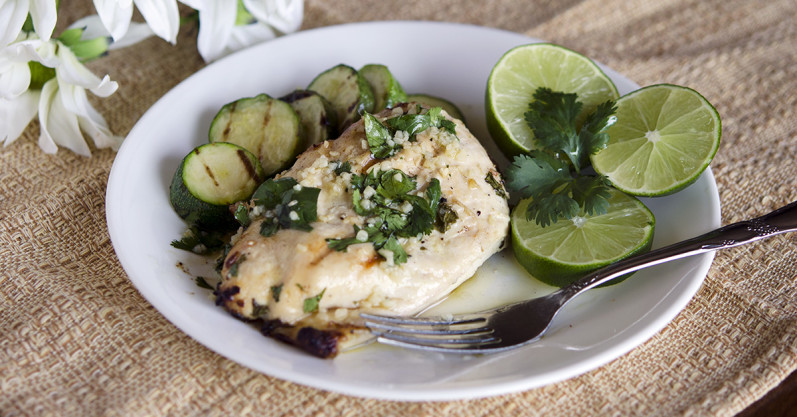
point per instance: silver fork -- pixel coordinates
(514, 325)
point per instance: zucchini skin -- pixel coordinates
(208, 207)
(195, 211)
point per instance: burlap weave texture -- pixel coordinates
(77, 339)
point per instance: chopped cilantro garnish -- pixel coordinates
(199, 241)
(259, 310)
(202, 283)
(385, 198)
(446, 216)
(496, 184)
(546, 176)
(276, 290)
(383, 140)
(233, 271)
(342, 167)
(242, 215)
(311, 303)
(286, 204)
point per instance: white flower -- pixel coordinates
(13, 13)
(62, 105)
(219, 34)
(162, 16)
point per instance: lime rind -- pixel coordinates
(564, 251)
(664, 138)
(523, 69)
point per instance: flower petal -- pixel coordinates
(72, 71)
(162, 16)
(216, 21)
(44, 14)
(16, 114)
(89, 120)
(59, 126)
(283, 15)
(14, 13)
(247, 35)
(94, 28)
(115, 16)
(14, 79)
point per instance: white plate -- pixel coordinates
(448, 60)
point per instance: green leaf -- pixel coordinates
(496, 184)
(91, 48)
(202, 283)
(445, 217)
(233, 271)
(399, 255)
(311, 303)
(592, 194)
(342, 167)
(288, 205)
(276, 290)
(593, 132)
(379, 137)
(270, 193)
(536, 173)
(552, 116)
(549, 208)
(394, 184)
(242, 215)
(199, 241)
(70, 37)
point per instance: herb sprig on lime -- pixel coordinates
(651, 142)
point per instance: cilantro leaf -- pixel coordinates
(593, 132)
(311, 303)
(535, 174)
(592, 193)
(276, 290)
(394, 184)
(554, 192)
(341, 167)
(199, 241)
(552, 116)
(379, 137)
(201, 282)
(392, 208)
(287, 205)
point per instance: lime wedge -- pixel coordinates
(664, 138)
(523, 69)
(568, 249)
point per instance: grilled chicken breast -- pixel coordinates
(274, 278)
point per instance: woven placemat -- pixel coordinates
(77, 339)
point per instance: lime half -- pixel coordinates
(564, 251)
(515, 77)
(664, 138)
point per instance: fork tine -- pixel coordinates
(442, 330)
(421, 321)
(454, 343)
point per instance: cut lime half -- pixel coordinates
(664, 138)
(523, 69)
(564, 251)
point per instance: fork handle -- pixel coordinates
(779, 221)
